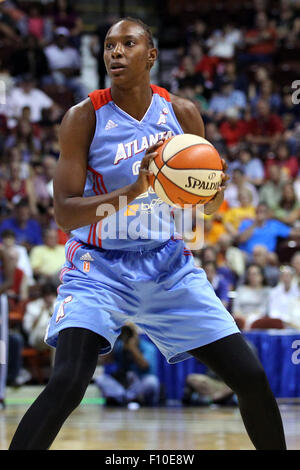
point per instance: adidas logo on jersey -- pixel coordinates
(86, 257)
(110, 125)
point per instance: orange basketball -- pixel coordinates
(187, 170)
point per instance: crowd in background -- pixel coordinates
(252, 116)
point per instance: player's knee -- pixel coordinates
(253, 381)
(71, 387)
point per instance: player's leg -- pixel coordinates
(75, 362)
(233, 360)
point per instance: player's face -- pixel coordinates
(127, 54)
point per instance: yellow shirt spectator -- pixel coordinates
(47, 259)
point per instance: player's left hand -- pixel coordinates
(214, 204)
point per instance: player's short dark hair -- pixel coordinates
(145, 27)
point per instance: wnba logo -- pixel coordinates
(136, 168)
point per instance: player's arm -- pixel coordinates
(192, 123)
(72, 210)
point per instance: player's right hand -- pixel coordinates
(142, 183)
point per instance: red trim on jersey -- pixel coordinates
(101, 179)
(161, 92)
(100, 98)
(99, 233)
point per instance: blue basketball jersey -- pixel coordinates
(118, 146)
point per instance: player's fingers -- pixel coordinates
(225, 166)
(147, 159)
(153, 147)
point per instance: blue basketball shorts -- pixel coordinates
(160, 290)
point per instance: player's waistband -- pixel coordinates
(135, 249)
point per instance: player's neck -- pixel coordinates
(134, 101)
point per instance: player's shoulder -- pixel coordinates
(79, 115)
(188, 115)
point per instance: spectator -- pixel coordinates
(260, 42)
(23, 262)
(18, 188)
(219, 285)
(251, 300)
(288, 209)
(26, 94)
(47, 259)
(263, 231)
(5, 206)
(30, 59)
(231, 257)
(295, 262)
(287, 163)
(237, 184)
(26, 229)
(24, 140)
(134, 378)
(226, 98)
(64, 63)
(37, 316)
(265, 129)
(268, 94)
(222, 43)
(270, 192)
(283, 295)
(252, 166)
(235, 215)
(65, 16)
(268, 262)
(233, 128)
(43, 181)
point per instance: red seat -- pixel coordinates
(266, 323)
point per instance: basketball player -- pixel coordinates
(110, 280)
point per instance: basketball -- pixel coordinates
(187, 170)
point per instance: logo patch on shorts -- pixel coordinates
(86, 266)
(61, 311)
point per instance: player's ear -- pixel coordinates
(152, 56)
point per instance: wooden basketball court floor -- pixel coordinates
(95, 427)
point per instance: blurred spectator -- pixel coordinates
(271, 191)
(268, 94)
(65, 16)
(64, 62)
(29, 59)
(219, 285)
(37, 316)
(43, 181)
(227, 98)
(282, 295)
(51, 145)
(268, 262)
(18, 188)
(26, 94)
(222, 43)
(233, 128)
(5, 206)
(263, 231)
(260, 42)
(213, 229)
(288, 209)
(23, 262)
(47, 259)
(237, 184)
(24, 140)
(134, 378)
(287, 163)
(252, 166)
(265, 129)
(231, 256)
(26, 229)
(235, 215)
(295, 262)
(251, 300)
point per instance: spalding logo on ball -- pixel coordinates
(187, 170)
